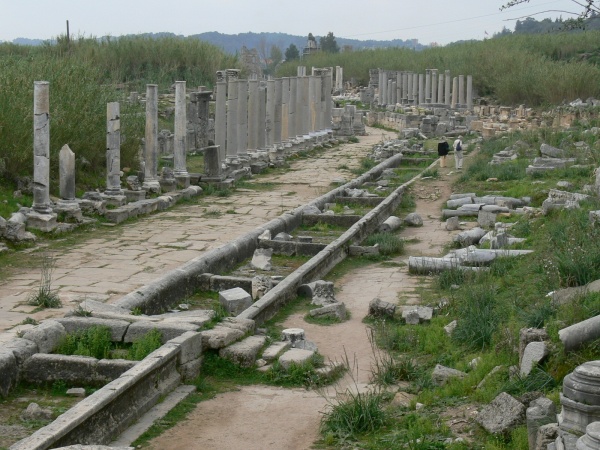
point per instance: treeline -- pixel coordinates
(84, 75)
(531, 69)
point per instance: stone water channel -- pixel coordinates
(124, 258)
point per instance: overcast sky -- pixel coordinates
(441, 21)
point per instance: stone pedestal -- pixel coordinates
(292, 335)
(580, 398)
(41, 221)
(591, 439)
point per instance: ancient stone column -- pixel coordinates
(312, 101)
(339, 78)
(447, 87)
(415, 89)
(421, 89)
(262, 117)
(179, 147)
(232, 118)
(392, 89)
(305, 104)
(285, 108)
(380, 88)
(461, 90)
(242, 119)
(151, 140)
(328, 82)
(212, 163)
(292, 108)
(440, 93)
(454, 92)
(277, 112)
(221, 118)
(41, 147)
(385, 88)
(428, 86)
(398, 91)
(271, 112)
(253, 115)
(113, 150)
(66, 165)
(201, 119)
(409, 88)
(470, 92)
(434, 74)
(405, 89)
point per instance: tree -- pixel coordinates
(292, 52)
(275, 57)
(584, 10)
(328, 44)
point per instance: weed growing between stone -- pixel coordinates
(45, 297)
(389, 244)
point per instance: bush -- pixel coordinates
(389, 244)
(145, 345)
(95, 342)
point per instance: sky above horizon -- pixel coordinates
(440, 21)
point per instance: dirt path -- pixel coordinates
(263, 417)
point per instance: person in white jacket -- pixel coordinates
(458, 153)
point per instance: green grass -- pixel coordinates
(389, 244)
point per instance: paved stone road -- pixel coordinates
(115, 261)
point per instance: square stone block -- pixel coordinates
(235, 300)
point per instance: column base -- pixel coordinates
(151, 186)
(43, 222)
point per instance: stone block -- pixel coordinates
(323, 293)
(246, 326)
(414, 315)
(295, 356)
(273, 351)
(21, 348)
(261, 259)
(452, 223)
(117, 215)
(528, 335)
(78, 324)
(534, 353)
(244, 352)
(191, 346)
(486, 219)
(332, 310)
(441, 374)
(9, 372)
(220, 337)
(235, 300)
(191, 369)
(76, 392)
(168, 330)
(111, 369)
(197, 317)
(502, 415)
(46, 336)
(44, 368)
(541, 412)
(413, 220)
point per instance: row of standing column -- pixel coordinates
(429, 88)
(254, 115)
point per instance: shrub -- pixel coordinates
(389, 244)
(145, 345)
(478, 317)
(95, 342)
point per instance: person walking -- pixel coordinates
(443, 149)
(458, 153)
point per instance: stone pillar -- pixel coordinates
(461, 90)
(242, 119)
(440, 93)
(328, 82)
(261, 142)
(339, 78)
(232, 117)
(292, 108)
(305, 105)
(41, 147)
(428, 86)
(421, 89)
(470, 92)
(179, 148)
(393, 90)
(312, 107)
(385, 87)
(151, 140)
(301, 71)
(380, 88)
(447, 87)
(398, 91)
(434, 74)
(277, 117)
(405, 89)
(201, 121)
(66, 165)
(415, 89)
(253, 115)
(285, 109)
(113, 150)
(271, 112)
(409, 88)
(221, 118)
(454, 92)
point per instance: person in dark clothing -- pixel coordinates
(443, 149)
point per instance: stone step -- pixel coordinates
(244, 352)
(295, 356)
(275, 350)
